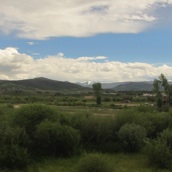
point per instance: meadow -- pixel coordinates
(63, 133)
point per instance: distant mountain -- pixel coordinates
(104, 85)
(39, 83)
(134, 86)
(122, 86)
(86, 84)
(110, 85)
(49, 84)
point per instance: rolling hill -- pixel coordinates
(38, 83)
(123, 86)
(49, 84)
(134, 86)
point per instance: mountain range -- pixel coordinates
(39, 83)
(122, 86)
(49, 84)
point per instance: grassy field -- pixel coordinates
(118, 162)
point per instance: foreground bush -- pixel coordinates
(96, 132)
(159, 151)
(159, 154)
(93, 163)
(132, 137)
(158, 122)
(166, 136)
(51, 138)
(154, 123)
(13, 148)
(30, 116)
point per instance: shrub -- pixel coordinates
(125, 117)
(69, 139)
(159, 154)
(93, 163)
(96, 132)
(13, 148)
(14, 136)
(157, 123)
(30, 116)
(166, 136)
(13, 156)
(154, 123)
(159, 151)
(145, 108)
(56, 139)
(132, 137)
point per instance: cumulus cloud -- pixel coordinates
(15, 65)
(42, 19)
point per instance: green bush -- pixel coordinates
(29, 116)
(16, 136)
(69, 139)
(96, 132)
(155, 123)
(132, 137)
(56, 139)
(145, 108)
(13, 148)
(159, 151)
(159, 154)
(46, 133)
(166, 136)
(93, 163)
(13, 156)
(125, 117)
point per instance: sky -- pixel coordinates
(86, 40)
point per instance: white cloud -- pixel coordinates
(42, 19)
(14, 65)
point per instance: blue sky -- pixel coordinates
(153, 47)
(79, 40)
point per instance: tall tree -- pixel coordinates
(97, 87)
(156, 89)
(161, 84)
(164, 83)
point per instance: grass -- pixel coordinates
(54, 165)
(81, 109)
(119, 163)
(6, 114)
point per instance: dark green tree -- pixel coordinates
(161, 85)
(170, 94)
(156, 89)
(97, 87)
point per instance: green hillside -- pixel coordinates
(134, 86)
(39, 83)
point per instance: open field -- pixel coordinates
(99, 127)
(119, 162)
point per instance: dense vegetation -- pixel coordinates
(81, 132)
(36, 131)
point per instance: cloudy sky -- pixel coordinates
(80, 40)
